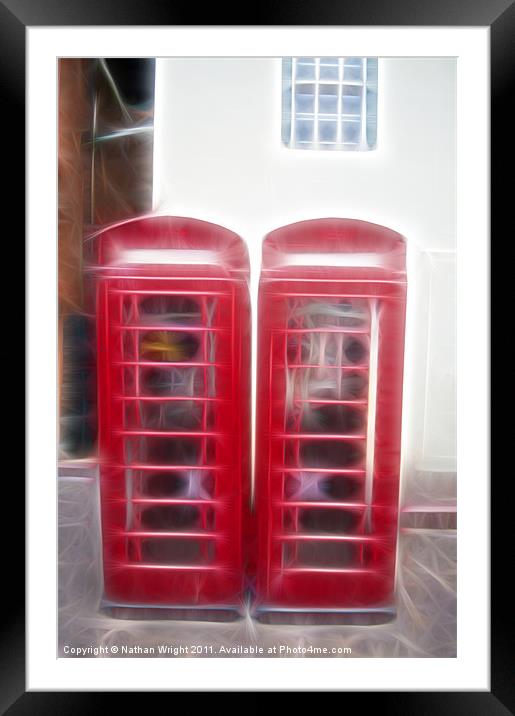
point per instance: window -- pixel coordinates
(330, 103)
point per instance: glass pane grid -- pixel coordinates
(168, 348)
(330, 103)
(325, 515)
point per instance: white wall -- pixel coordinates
(218, 156)
(218, 153)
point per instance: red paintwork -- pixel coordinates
(219, 442)
(284, 580)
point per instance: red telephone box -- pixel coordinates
(331, 324)
(173, 323)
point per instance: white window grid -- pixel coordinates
(330, 103)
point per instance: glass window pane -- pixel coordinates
(330, 103)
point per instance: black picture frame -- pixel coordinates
(499, 15)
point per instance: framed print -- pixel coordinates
(258, 310)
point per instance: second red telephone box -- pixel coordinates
(173, 323)
(331, 343)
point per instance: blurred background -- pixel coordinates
(106, 114)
